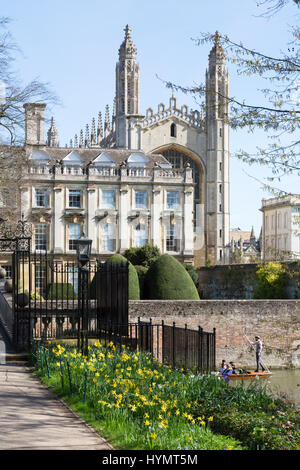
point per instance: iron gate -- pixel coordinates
(57, 299)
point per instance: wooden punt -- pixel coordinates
(251, 375)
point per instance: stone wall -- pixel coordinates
(238, 281)
(276, 321)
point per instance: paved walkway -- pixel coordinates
(31, 417)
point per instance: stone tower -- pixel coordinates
(127, 91)
(217, 154)
(34, 123)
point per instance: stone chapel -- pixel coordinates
(172, 136)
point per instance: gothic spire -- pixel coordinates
(52, 135)
(87, 136)
(76, 141)
(99, 129)
(107, 122)
(93, 132)
(81, 143)
(127, 47)
(217, 53)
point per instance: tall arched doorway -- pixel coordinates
(178, 157)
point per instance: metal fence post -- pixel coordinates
(214, 348)
(173, 353)
(162, 341)
(185, 346)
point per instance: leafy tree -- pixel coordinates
(142, 256)
(271, 281)
(192, 272)
(278, 113)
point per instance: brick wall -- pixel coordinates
(276, 321)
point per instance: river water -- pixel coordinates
(286, 382)
(283, 383)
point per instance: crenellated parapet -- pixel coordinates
(192, 117)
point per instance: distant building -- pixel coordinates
(281, 228)
(244, 247)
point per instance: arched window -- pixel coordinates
(173, 130)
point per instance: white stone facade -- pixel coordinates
(116, 204)
(195, 143)
(281, 228)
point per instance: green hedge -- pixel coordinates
(168, 279)
(61, 291)
(141, 271)
(133, 280)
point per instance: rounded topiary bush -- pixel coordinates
(141, 271)
(133, 279)
(168, 279)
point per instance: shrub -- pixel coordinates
(93, 286)
(271, 281)
(133, 279)
(142, 256)
(34, 295)
(192, 272)
(61, 291)
(141, 271)
(168, 279)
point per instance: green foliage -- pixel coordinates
(192, 272)
(260, 420)
(271, 281)
(141, 271)
(142, 256)
(93, 286)
(133, 279)
(168, 279)
(208, 263)
(34, 295)
(61, 291)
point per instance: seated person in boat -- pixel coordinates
(223, 367)
(234, 370)
(227, 372)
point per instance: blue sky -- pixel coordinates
(73, 45)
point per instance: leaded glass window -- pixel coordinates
(74, 235)
(40, 236)
(74, 198)
(140, 199)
